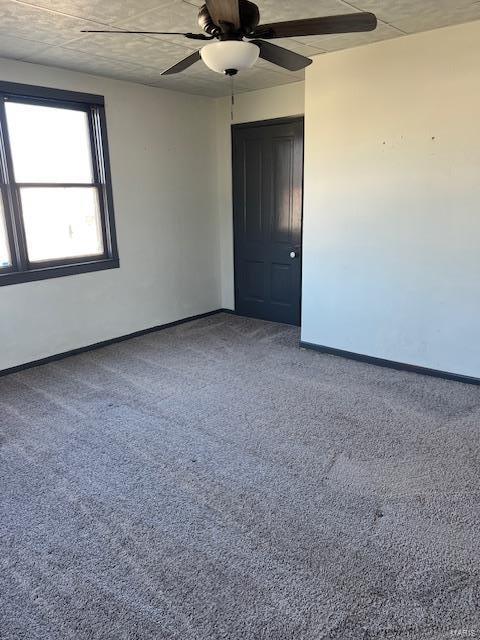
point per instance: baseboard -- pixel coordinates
(106, 343)
(391, 364)
(379, 362)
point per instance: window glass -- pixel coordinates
(61, 222)
(49, 144)
(5, 260)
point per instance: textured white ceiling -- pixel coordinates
(48, 32)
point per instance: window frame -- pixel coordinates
(22, 269)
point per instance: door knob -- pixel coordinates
(293, 254)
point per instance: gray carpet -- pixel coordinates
(213, 481)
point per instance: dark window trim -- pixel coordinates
(59, 271)
(22, 270)
(20, 91)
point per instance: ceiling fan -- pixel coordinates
(241, 40)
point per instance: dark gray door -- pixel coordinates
(267, 203)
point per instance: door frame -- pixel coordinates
(300, 118)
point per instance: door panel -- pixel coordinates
(282, 195)
(268, 195)
(281, 284)
(254, 286)
(253, 227)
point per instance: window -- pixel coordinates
(56, 209)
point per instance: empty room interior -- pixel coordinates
(239, 320)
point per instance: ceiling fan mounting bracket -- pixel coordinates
(198, 36)
(264, 33)
(224, 37)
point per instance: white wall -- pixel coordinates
(162, 148)
(391, 263)
(392, 200)
(277, 102)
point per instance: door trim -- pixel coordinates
(268, 123)
(300, 118)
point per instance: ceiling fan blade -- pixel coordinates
(183, 64)
(192, 36)
(224, 11)
(348, 23)
(282, 57)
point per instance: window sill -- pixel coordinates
(60, 271)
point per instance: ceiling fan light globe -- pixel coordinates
(230, 55)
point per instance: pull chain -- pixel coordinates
(233, 97)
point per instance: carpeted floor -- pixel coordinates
(213, 481)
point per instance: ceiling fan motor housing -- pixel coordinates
(206, 23)
(249, 18)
